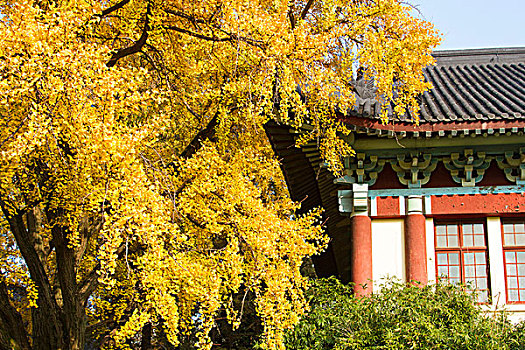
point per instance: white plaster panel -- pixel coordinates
(428, 205)
(431, 250)
(373, 206)
(388, 250)
(402, 205)
(496, 265)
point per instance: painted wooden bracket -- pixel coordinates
(362, 169)
(513, 165)
(414, 170)
(468, 168)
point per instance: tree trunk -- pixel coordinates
(145, 342)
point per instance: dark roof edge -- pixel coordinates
(485, 51)
(479, 56)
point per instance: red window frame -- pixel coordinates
(462, 250)
(517, 263)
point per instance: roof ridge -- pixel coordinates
(480, 56)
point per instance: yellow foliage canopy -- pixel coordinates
(136, 184)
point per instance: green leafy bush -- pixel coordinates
(402, 316)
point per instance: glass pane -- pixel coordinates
(481, 271)
(521, 280)
(521, 270)
(442, 258)
(479, 241)
(467, 229)
(522, 295)
(520, 239)
(454, 271)
(452, 229)
(510, 257)
(511, 270)
(513, 282)
(481, 283)
(470, 282)
(453, 258)
(508, 228)
(521, 257)
(519, 228)
(478, 228)
(453, 241)
(441, 241)
(483, 296)
(468, 241)
(469, 258)
(442, 271)
(454, 280)
(441, 230)
(470, 271)
(480, 258)
(509, 239)
(513, 295)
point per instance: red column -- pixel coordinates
(415, 242)
(361, 254)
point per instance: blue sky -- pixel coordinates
(476, 23)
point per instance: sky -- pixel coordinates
(469, 24)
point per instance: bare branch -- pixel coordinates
(230, 37)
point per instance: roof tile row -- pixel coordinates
(468, 85)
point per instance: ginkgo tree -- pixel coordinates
(139, 197)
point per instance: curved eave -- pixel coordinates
(313, 187)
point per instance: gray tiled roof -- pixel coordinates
(469, 85)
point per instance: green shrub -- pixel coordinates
(402, 316)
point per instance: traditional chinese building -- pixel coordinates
(444, 199)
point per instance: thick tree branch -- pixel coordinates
(90, 282)
(137, 46)
(205, 134)
(88, 227)
(12, 320)
(31, 258)
(306, 8)
(113, 8)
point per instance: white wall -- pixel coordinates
(496, 265)
(388, 250)
(431, 254)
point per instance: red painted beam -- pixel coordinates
(479, 204)
(388, 206)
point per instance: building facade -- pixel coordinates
(444, 200)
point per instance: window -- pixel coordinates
(514, 258)
(461, 255)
